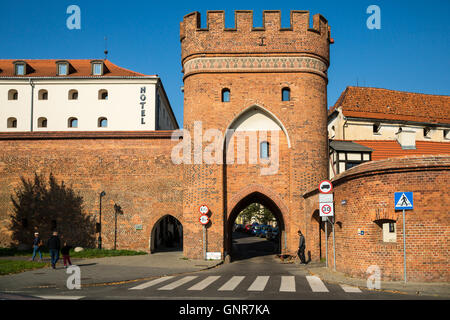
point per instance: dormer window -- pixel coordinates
(19, 68)
(63, 69)
(97, 68)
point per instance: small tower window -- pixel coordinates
(286, 94)
(446, 134)
(13, 94)
(376, 127)
(103, 94)
(43, 94)
(73, 94)
(102, 122)
(42, 122)
(225, 95)
(73, 123)
(426, 132)
(11, 123)
(264, 150)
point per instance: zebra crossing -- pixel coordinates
(234, 283)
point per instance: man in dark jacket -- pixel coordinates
(54, 244)
(301, 248)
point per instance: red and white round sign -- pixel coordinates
(326, 209)
(203, 209)
(325, 186)
(204, 219)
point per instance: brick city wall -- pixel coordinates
(134, 169)
(368, 190)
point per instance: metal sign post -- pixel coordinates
(204, 242)
(404, 245)
(326, 240)
(334, 246)
(404, 201)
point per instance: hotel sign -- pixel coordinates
(142, 102)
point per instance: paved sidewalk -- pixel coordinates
(97, 271)
(437, 289)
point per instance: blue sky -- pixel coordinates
(410, 52)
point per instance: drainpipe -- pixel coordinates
(32, 94)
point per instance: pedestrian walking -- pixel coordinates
(65, 251)
(37, 243)
(301, 248)
(54, 245)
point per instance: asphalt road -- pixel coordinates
(254, 274)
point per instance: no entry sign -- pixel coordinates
(203, 209)
(325, 186)
(204, 219)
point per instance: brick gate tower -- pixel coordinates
(270, 82)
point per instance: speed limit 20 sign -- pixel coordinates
(326, 209)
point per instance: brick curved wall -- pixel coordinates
(369, 190)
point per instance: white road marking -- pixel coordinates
(347, 288)
(316, 284)
(61, 297)
(178, 283)
(151, 283)
(204, 283)
(259, 284)
(287, 284)
(231, 284)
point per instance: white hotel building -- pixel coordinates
(80, 95)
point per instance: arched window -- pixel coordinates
(225, 95)
(286, 94)
(73, 94)
(11, 122)
(42, 122)
(43, 94)
(13, 94)
(102, 122)
(264, 151)
(73, 123)
(102, 94)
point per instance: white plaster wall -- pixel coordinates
(122, 108)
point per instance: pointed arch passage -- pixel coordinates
(166, 235)
(265, 202)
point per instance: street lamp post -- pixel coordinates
(117, 210)
(102, 194)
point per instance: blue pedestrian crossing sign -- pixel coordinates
(404, 201)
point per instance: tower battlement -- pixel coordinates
(271, 38)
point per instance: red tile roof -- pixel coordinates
(384, 104)
(383, 149)
(81, 68)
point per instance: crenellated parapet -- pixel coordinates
(215, 41)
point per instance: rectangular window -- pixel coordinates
(20, 69)
(352, 164)
(389, 232)
(97, 69)
(62, 69)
